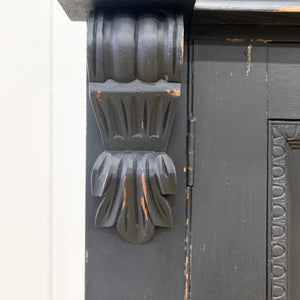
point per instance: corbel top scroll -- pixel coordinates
(125, 48)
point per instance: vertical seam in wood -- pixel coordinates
(188, 223)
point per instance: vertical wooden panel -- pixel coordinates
(68, 158)
(294, 226)
(230, 192)
(283, 81)
(25, 150)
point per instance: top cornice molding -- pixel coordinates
(248, 6)
(78, 10)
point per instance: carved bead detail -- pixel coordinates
(284, 136)
(125, 48)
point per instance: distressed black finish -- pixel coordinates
(284, 210)
(248, 5)
(155, 270)
(207, 11)
(134, 68)
(78, 10)
(241, 220)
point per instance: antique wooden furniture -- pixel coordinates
(231, 70)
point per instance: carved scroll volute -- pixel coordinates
(134, 69)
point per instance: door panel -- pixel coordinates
(284, 245)
(283, 81)
(230, 192)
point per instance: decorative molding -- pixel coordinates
(78, 10)
(284, 135)
(248, 6)
(134, 72)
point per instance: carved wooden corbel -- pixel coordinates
(134, 71)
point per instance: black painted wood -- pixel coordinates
(204, 11)
(284, 172)
(283, 81)
(248, 5)
(239, 78)
(244, 34)
(246, 12)
(134, 72)
(78, 10)
(119, 270)
(230, 192)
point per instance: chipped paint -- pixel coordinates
(187, 222)
(249, 61)
(240, 40)
(144, 207)
(182, 47)
(144, 186)
(98, 95)
(263, 41)
(104, 182)
(124, 198)
(188, 193)
(186, 276)
(175, 93)
(235, 40)
(289, 9)
(231, 74)
(228, 7)
(184, 169)
(124, 194)
(86, 256)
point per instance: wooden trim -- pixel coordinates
(284, 135)
(248, 6)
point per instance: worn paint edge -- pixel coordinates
(255, 6)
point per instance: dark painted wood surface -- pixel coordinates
(236, 72)
(78, 10)
(284, 246)
(134, 73)
(283, 81)
(116, 269)
(294, 226)
(230, 191)
(248, 5)
(246, 12)
(204, 11)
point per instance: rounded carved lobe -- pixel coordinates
(125, 48)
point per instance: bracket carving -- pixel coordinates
(134, 72)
